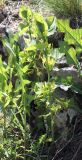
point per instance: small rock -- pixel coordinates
(21, 42)
(2, 17)
(6, 2)
(16, 14)
(67, 71)
(62, 63)
(55, 38)
(2, 30)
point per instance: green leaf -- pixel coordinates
(31, 48)
(41, 24)
(42, 139)
(25, 12)
(71, 56)
(72, 36)
(49, 21)
(8, 99)
(25, 69)
(56, 54)
(25, 82)
(10, 86)
(63, 47)
(52, 27)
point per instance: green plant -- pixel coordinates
(72, 44)
(27, 88)
(19, 79)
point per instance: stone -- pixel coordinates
(67, 71)
(2, 30)
(15, 14)
(55, 38)
(2, 16)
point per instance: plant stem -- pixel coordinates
(24, 102)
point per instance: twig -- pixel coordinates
(67, 142)
(76, 152)
(62, 148)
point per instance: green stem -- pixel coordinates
(49, 99)
(25, 129)
(52, 127)
(48, 76)
(4, 128)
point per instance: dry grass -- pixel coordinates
(65, 8)
(2, 3)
